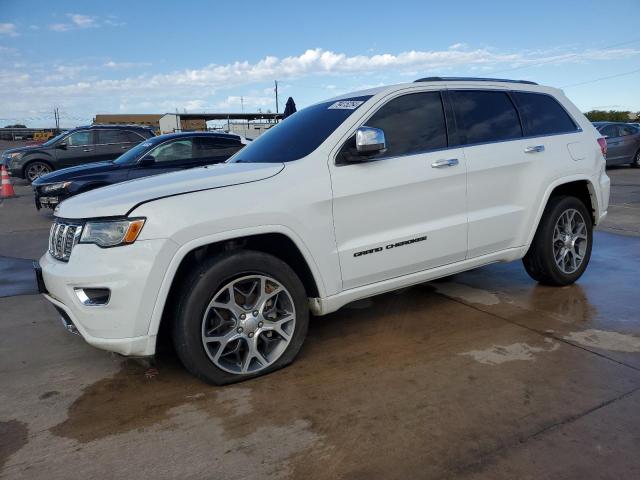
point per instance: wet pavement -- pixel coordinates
(481, 375)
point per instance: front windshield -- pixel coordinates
(131, 156)
(300, 134)
(53, 140)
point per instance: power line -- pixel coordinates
(602, 78)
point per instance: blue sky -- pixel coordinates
(89, 57)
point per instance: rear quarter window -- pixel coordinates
(542, 114)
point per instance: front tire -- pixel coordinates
(636, 160)
(561, 247)
(240, 315)
(36, 169)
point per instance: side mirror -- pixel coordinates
(370, 140)
(61, 146)
(147, 161)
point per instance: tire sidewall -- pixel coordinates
(212, 276)
(555, 210)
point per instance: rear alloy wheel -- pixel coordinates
(561, 247)
(239, 314)
(35, 170)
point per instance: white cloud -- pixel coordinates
(81, 89)
(79, 21)
(82, 21)
(122, 65)
(59, 27)
(9, 29)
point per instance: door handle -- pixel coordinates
(452, 162)
(534, 149)
(88, 150)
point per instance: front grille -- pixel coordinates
(64, 235)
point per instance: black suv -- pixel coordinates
(74, 147)
(161, 154)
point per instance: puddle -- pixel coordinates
(466, 293)
(614, 341)
(13, 436)
(510, 353)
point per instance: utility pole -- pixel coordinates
(276, 96)
(242, 103)
(56, 116)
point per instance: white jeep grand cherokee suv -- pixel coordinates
(362, 194)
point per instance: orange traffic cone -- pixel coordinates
(6, 189)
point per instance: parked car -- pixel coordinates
(623, 142)
(363, 194)
(80, 145)
(162, 154)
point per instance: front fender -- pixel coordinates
(189, 246)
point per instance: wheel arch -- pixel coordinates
(579, 187)
(279, 242)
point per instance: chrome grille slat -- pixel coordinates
(63, 236)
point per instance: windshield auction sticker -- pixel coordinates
(345, 105)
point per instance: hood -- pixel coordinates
(26, 148)
(73, 173)
(121, 198)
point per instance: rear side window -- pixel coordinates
(412, 123)
(610, 131)
(216, 149)
(485, 116)
(112, 136)
(133, 137)
(542, 114)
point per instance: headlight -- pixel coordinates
(14, 155)
(112, 233)
(53, 187)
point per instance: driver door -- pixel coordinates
(402, 210)
(79, 147)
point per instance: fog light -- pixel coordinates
(93, 296)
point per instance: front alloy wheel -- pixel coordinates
(248, 324)
(36, 170)
(238, 314)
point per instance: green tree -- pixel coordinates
(610, 116)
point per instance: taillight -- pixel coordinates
(603, 145)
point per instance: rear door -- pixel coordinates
(210, 150)
(169, 156)
(629, 142)
(79, 148)
(512, 154)
(403, 210)
(114, 142)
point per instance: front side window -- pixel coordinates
(300, 134)
(542, 114)
(485, 116)
(173, 151)
(78, 139)
(627, 130)
(412, 123)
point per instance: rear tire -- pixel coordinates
(636, 160)
(240, 315)
(561, 247)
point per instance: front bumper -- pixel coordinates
(132, 273)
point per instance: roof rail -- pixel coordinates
(472, 79)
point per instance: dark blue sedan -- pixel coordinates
(161, 154)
